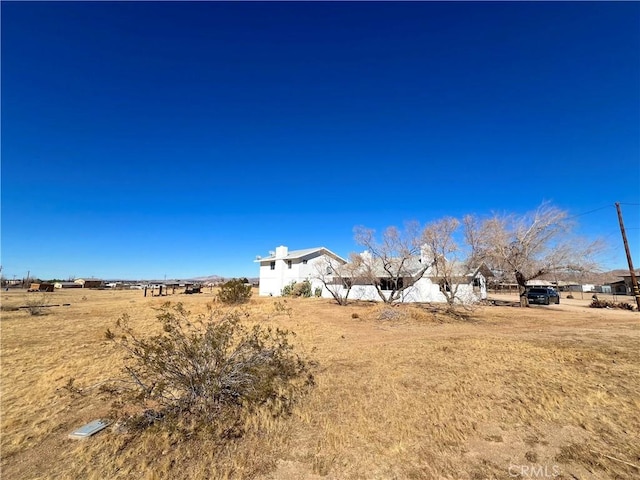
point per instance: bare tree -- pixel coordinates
(439, 239)
(338, 278)
(393, 264)
(529, 246)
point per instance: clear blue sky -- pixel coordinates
(144, 139)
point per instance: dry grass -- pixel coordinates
(402, 392)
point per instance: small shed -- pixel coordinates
(41, 287)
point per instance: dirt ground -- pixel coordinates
(496, 392)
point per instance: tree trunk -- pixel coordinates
(522, 289)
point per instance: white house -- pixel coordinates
(468, 286)
(283, 267)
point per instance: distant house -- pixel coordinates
(89, 282)
(629, 284)
(620, 288)
(541, 283)
(282, 267)
(602, 288)
(579, 287)
(67, 285)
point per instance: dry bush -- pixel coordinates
(35, 304)
(295, 289)
(281, 307)
(234, 292)
(388, 313)
(418, 313)
(596, 303)
(204, 372)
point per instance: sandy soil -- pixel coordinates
(497, 392)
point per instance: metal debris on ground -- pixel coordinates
(89, 429)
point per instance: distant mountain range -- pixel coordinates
(218, 279)
(596, 278)
(614, 275)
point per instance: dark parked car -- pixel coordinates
(543, 295)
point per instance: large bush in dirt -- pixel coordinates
(234, 291)
(294, 289)
(205, 372)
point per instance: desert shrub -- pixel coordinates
(281, 307)
(387, 313)
(318, 292)
(234, 292)
(569, 296)
(288, 289)
(35, 304)
(597, 303)
(302, 289)
(295, 289)
(204, 373)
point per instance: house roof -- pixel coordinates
(296, 254)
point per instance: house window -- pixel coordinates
(272, 265)
(391, 284)
(444, 286)
(289, 264)
(346, 282)
(304, 262)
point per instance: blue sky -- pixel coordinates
(144, 139)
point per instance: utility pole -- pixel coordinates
(634, 280)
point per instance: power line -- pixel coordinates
(590, 211)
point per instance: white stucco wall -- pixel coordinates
(273, 281)
(424, 290)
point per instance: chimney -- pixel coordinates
(281, 251)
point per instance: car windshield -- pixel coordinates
(538, 290)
